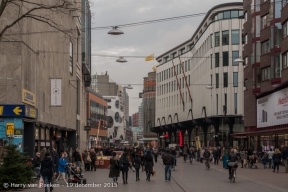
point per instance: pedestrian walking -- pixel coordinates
(242, 157)
(270, 158)
(148, 159)
(93, 159)
(276, 159)
(137, 164)
(168, 161)
(142, 160)
(265, 160)
(46, 171)
(155, 153)
(61, 168)
(124, 164)
(87, 160)
(114, 167)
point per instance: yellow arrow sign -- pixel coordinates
(17, 110)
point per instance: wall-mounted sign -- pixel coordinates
(56, 92)
(18, 133)
(273, 109)
(28, 97)
(87, 128)
(18, 111)
(9, 128)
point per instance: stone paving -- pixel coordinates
(187, 177)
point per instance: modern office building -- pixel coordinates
(140, 111)
(199, 90)
(148, 100)
(135, 119)
(265, 74)
(103, 85)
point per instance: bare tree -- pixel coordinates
(39, 10)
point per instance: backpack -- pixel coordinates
(206, 154)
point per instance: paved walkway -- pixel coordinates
(187, 177)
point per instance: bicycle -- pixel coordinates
(234, 166)
(207, 164)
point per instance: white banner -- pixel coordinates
(273, 109)
(56, 92)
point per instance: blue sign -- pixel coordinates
(18, 111)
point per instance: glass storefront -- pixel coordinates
(267, 142)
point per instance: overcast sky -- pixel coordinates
(140, 40)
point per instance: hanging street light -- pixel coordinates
(121, 60)
(115, 31)
(128, 87)
(239, 60)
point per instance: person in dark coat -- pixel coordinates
(124, 164)
(47, 170)
(148, 159)
(114, 167)
(276, 159)
(93, 158)
(137, 164)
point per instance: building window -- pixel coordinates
(285, 28)
(285, 60)
(235, 14)
(185, 66)
(227, 15)
(174, 55)
(246, 61)
(71, 58)
(211, 60)
(216, 59)
(217, 80)
(264, 21)
(217, 39)
(246, 83)
(252, 54)
(117, 104)
(235, 79)
(258, 25)
(182, 51)
(245, 16)
(225, 79)
(225, 37)
(278, 65)
(278, 35)
(235, 37)
(78, 96)
(235, 103)
(226, 58)
(235, 55)
(217, 104)
(189, 79)
(211, 40)
(265, 46)
(277, 11)
(258, 51)
(265, 73)
(258, 76)
(285, 2)
(189, 65)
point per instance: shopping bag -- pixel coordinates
(245, 162)
(153, 173)
(41, 182)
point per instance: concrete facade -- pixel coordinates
(28, 62)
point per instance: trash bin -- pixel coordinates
(225, 159)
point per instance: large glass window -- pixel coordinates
(189, 65)
(227, 15)
(278, 35)
(216, 59)
(225, 37)
(258, 76)
(264, 22)
(217, 80)
(211, 60)
(285, 28)
(217, 39)
(258, 51)
(257, 5)
(278, 65)
(235, 55)
(265, 46)
(265, 73)
(235, 37)
(258, 25)
(235, 14)
(235, 79)
(225, 79)
(226, 58)
(220, 16)
(285, 60)
(277, 11)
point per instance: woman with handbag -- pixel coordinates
(124, 165)
(114, 167)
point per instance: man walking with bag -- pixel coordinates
(168, 161)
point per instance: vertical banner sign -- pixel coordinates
(56, 92)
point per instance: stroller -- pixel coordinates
(252, 162)
(76, 175)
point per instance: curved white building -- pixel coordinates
(199, 100)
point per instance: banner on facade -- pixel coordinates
(273, 109)
(56, 92)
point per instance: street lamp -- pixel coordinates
(209, 87)
(128, 87)
(115, 31)
(239, 60)
(121, 60)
